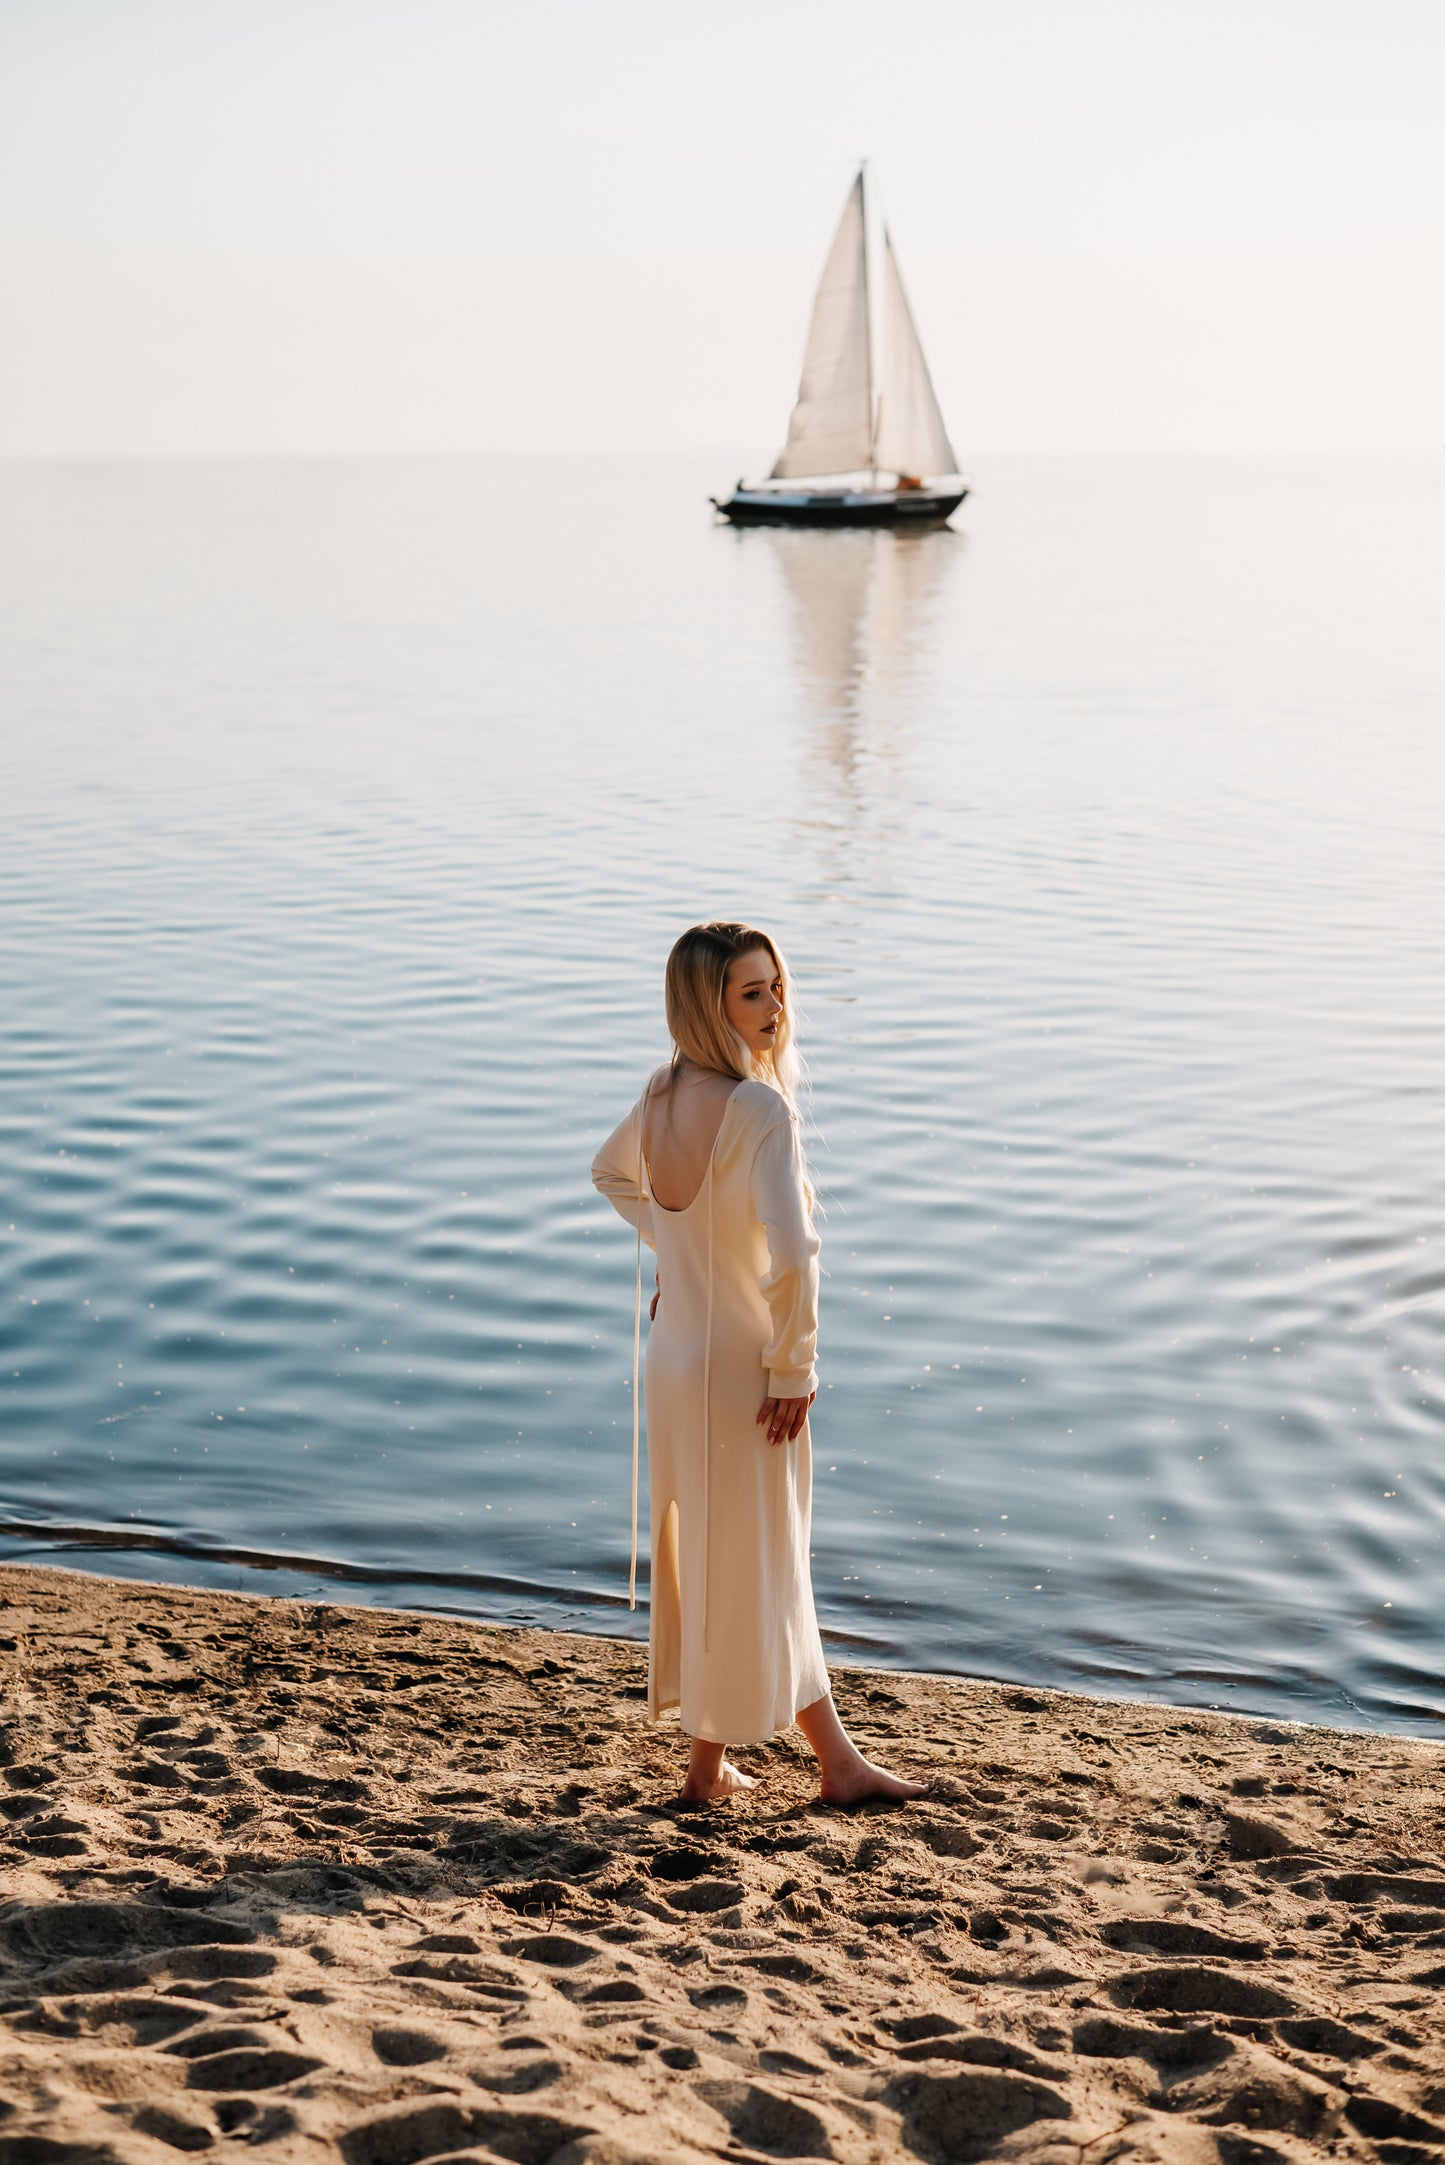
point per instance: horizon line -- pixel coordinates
(724, 452)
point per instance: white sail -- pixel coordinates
(911, 437)
(831, 429)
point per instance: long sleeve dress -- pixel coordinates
(733, 1638)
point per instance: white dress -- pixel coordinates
(733, 1638)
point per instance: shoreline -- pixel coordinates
(384, 1886)
(853, 1648)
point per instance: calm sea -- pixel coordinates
(349, 810)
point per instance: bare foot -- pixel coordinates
(729, 1781)
(862, 1779)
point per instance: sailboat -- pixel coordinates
(841, 429)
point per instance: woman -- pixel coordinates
(708, 1167)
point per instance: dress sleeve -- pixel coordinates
(617, 1173)
(790, 1286)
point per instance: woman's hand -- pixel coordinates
(652, 1307)
(784, 1417)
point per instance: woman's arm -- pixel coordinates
(790, 1286)
(617, 1172)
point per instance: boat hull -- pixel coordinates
(840, 507)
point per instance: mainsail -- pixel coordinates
(831, 429)
(911, 438)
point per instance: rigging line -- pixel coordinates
(642, 1197)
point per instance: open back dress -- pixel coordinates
(733, 1638)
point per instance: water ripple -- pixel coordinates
(336, 878)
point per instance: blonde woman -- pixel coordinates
(708, 1167)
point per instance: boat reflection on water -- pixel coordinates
(865, 606)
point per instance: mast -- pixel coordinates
(868, 328)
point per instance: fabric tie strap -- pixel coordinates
(706, 1412)
(636, 1371)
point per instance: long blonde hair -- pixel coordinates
(697, 974)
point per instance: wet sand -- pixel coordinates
(352, 1884)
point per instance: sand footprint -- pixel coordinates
(1174, 1936)
(533, 1897)
(1383, 2121)
(1328, 2039)
(250, 2067)
(443, 2127)
(53, 1835)
(705, 1897)
(710, 1998)
(396, 2046)
(792, 1969)
(114, 2020)
(685, 1863)
(554, 1950)
(762, 2120)
(163, 2124)
(26, 1777)
(964, 2115)
(518, 2078)
(203, 1964)
(978, 2049)
(51, 1931)
(455, 1958)
(1201, 1992)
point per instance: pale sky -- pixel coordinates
(595, 225)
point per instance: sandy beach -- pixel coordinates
(359, 1884)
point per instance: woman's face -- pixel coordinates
(753, 999)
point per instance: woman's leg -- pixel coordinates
(709, 1776)
(847, 1777)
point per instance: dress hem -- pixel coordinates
(736, 1743)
